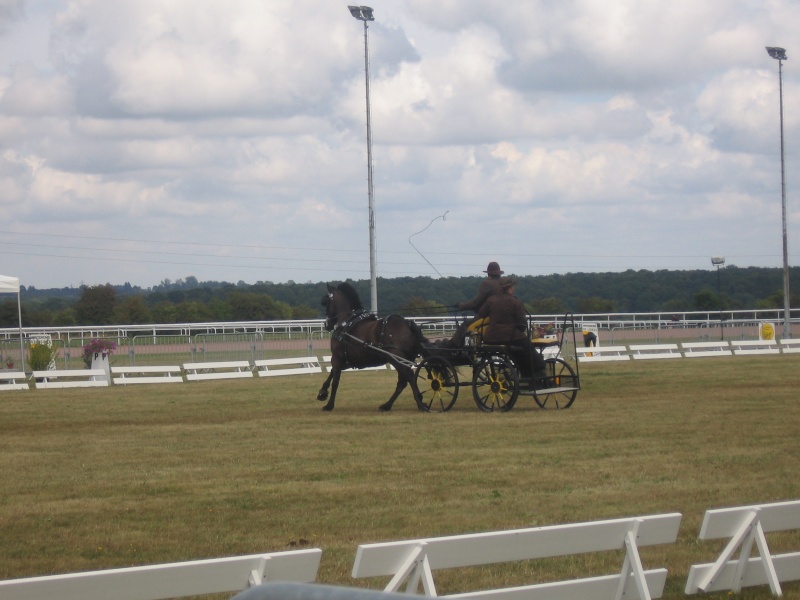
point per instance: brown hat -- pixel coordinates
(507, 282)
(493, 269)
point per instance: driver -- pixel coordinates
(488, 288)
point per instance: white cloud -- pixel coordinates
(534, 125)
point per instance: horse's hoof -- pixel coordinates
(327, 408)
(384, 408)
(322, 396)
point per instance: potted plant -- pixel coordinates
(97, 348)
(41, 355)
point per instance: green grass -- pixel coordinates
(123, 476)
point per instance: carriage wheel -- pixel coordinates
(559, 388)
(437, 382)
(495, 384)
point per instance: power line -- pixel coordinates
(326, 250)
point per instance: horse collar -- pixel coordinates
(356, 317)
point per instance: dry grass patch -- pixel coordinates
(98, 478)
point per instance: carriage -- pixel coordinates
(497, 373)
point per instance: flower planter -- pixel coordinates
(100, 361)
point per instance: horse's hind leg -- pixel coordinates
(401, 385)
(412, 381)
(405, 376)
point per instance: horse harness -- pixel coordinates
(342, 334)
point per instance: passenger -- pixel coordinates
(508, 325)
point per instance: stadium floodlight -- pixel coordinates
(779, 54)
(364, 13)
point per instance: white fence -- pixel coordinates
(140, 345)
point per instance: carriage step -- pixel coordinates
(556, 390)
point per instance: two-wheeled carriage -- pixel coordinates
(498, 374)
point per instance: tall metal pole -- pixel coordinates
(364, 13)
(718, 261)
(779, 54)
(719, 295)
(787, 317)
(373, 267)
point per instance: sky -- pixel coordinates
(146, 141)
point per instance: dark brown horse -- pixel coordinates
(361, 340)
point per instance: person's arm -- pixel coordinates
(486, 289)
(484, 311)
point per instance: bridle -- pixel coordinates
(330, 320)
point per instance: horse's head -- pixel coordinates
(331, 313)
(340, 302)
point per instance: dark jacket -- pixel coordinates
(488, 288)
(508, 321)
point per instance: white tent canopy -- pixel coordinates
(10, 285)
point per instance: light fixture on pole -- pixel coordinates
(718, 261)
(779, 54)
(364, 13)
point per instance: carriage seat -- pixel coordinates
(476, 330)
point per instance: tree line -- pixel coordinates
(191, 301)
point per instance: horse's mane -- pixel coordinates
(351, 294)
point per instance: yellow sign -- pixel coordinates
(766, 331)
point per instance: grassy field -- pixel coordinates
(99, 478)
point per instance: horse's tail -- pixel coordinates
(419, 339)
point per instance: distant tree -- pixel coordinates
(9, 314)
(96, 305)
(164, 312)
(220, 310)
(304, 311)
(194, 312)
(546, 306)
(132, 310)
(594, 304)
(37, 316)
(774, 300)
(675, 306)
(705, 299)
(419, 307)
(65, 318)
(248, 306)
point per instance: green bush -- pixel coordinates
(40, 355)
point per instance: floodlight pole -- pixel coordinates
(779, 54)
(718, 261)
(364, 14)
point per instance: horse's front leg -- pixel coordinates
(334, 379)
(322, 395)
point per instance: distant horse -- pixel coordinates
(362, 340)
